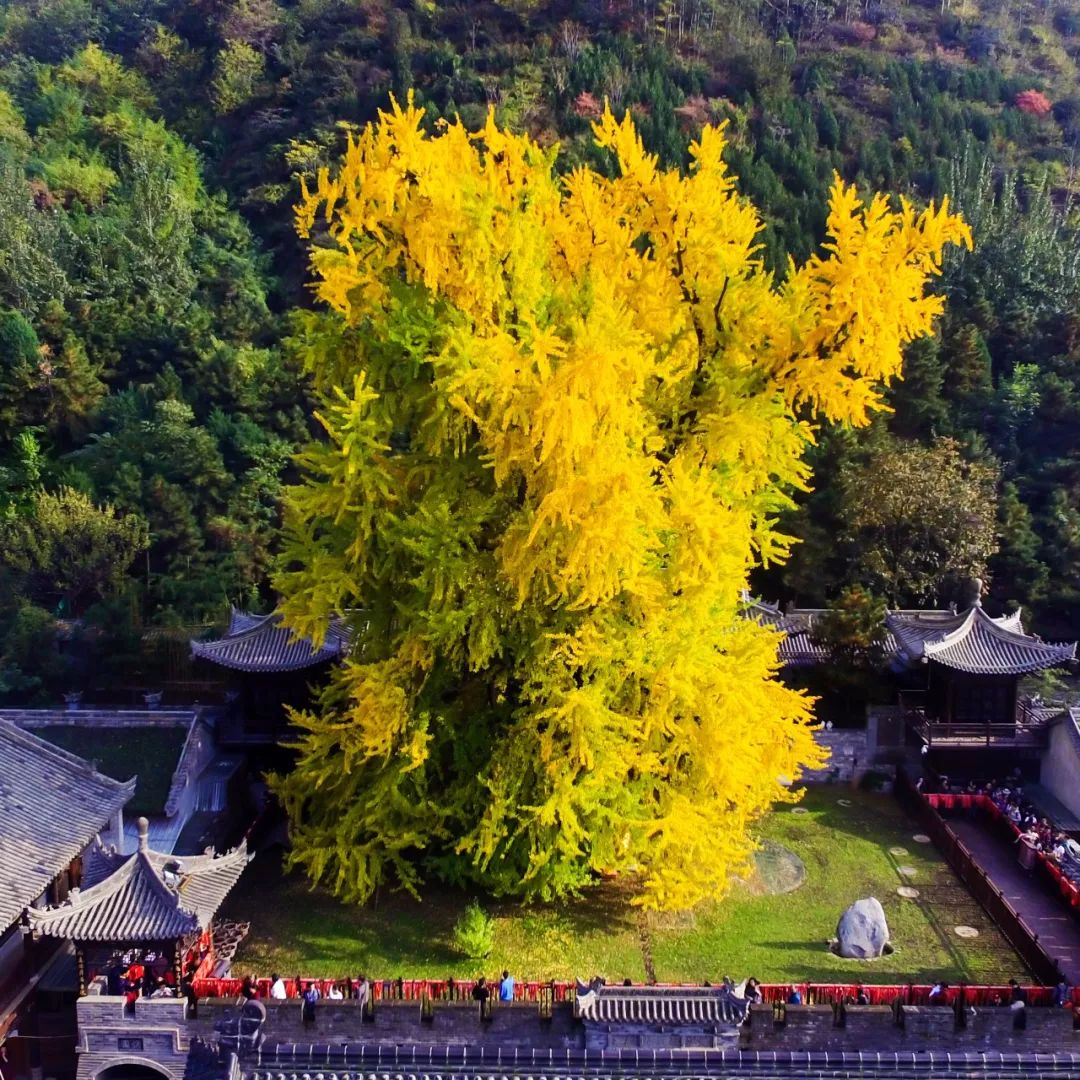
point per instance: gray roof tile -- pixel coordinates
(128, 898)
(261, 643)
(51, 806)
(974, 642)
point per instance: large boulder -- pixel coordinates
(862, 932)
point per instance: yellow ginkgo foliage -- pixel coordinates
(561, 416)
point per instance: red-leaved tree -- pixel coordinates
(1033, 101)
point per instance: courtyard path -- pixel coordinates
(1058, 930)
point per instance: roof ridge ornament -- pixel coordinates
(974, 590)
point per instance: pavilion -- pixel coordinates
(973, 663)
(958, 671)
(149, 905)
(270, 669)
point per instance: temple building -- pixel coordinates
(149, 908)
(970, 666)
(191, 793)
(269, 670)
(52, 805)
(946, 681)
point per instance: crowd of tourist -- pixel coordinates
(1035, 829)
(359, 990)
(140, 974)
(136, 976)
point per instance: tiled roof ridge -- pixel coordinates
(997, 628)
(46, 748)
(976, 642)
(182, 772)
(79, 900)
(109, 718)
(175, 907)
(196, 864)
(240, 620)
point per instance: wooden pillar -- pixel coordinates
(178, 962)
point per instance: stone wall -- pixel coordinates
(454, 1023)
(157, 1033)
(870, 1029)
(154, 1033)
(848, 755)
(886, 732)
(874, 1029)
(1060, 768)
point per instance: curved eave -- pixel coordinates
(1020, 659)
(258, 665)
(984, 646)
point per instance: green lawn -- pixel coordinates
(777, 938)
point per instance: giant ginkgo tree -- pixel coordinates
(561, 416)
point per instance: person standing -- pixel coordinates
(480, 994)
(307, 1004)
(187, 989)
(277, 987)
(506, 987)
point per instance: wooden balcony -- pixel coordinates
(1026, 731)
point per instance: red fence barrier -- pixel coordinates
(1070, 890)
(774, 993)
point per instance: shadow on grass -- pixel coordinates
(395, 933)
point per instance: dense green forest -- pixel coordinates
(150, 152)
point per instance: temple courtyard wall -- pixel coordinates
(158, 1031)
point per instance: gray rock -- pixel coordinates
(862, 932)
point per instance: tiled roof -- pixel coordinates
(164, 747)
(147, 896)
(974, 642)
(51, 806)
(969, 641)
(798, 648)
(261, 643)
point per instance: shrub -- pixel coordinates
(474, 933)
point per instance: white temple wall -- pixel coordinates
(1060, 768)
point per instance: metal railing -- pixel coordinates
(1022, 938)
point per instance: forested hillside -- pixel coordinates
(150, 155)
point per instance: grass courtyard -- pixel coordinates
(847, 854)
